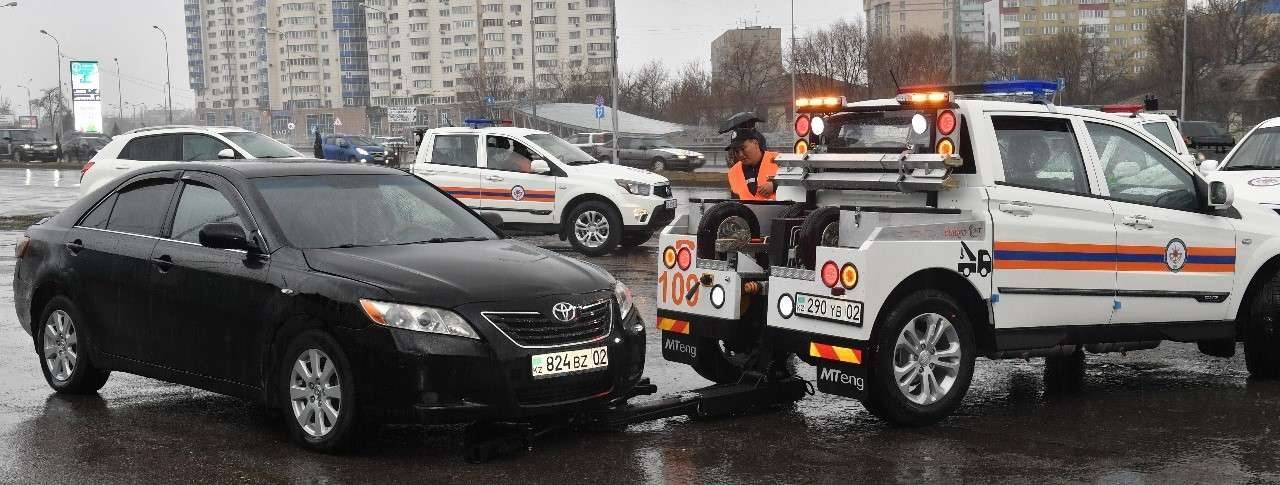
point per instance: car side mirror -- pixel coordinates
(224, 235)
(1208, 166)
(226, 154)
(493, 218)
(1221, 195)
(540, 166)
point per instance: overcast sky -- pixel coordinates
(675, 31)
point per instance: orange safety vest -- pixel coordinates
(738, 181)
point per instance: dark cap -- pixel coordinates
(741, 135)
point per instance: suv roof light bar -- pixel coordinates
(1039, 90)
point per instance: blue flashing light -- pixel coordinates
(1020, 86)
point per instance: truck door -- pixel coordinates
(454, 166)
(1054, 239)
(1175, 262)
(510, 186)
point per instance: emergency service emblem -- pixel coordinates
(517, 193)
(1175, 255)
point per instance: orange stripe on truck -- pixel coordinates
(836, 353)
(673, 325)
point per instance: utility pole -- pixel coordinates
(1182, 104)
(533, 67)
(56, 122)
(613, 27)
(29, 113)
(168, 78)
(955, 36)
(793, 50)
(119, 90)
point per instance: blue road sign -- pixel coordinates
(599, 101)
(489, 100)
(599, 112)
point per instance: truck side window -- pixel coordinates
(1040, 153)
(457, 150)
(1136, 171)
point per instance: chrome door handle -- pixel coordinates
(1016, 208)
(1138, 222)
(493, 178)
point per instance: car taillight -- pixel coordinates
(88, 165)
(830, 274)
(21, 249)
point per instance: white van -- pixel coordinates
(541, 183)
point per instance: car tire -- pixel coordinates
(64, 350)
(820, 228)
(318, 417)
(1064, 373)
(921, 314)
(725, 218)
(594, 228)
(635, 239)
(352, 160)
(1262, 332)
(658, 164)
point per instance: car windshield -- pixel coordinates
(261, 146)
(1202, 128)
(340, 211)
(875, 132)
(360, 141)
(1258, 151)
(562, 150)
(658, 143)
(22, 136)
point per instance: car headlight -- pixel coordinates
(26, 147)
(55, 147)
(362, 151)
(634, 187)
(623, 296)
(682, 157)
(417, 318)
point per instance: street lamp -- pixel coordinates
(56, 121)
(28, 97)
(119, 89)
(168, 80)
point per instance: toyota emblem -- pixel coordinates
(564, 312)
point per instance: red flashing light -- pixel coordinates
(1122, 108)
(830, 274)
(802, 126)
(684, 259)
(946, 122)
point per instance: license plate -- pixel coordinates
(670, 203)
(570, 361)
(833, 309)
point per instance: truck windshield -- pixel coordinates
(874, 132)
(564, 151)
(1259, 151)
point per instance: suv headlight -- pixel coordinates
(418, 318)
(623, 296)
(362, 151)
(635, 188)
(55, 147)
(26, 147)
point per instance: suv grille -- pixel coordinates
(535, 329)
(663, 191)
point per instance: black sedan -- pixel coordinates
(340, 294)
(1200, 135)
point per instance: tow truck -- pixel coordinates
(912, 235)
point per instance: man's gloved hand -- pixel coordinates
(765, 189)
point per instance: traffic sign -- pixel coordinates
(291, 126)
(599, 112)
(599, 100)
(489, 100)
(337, 121)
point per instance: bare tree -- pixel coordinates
(480, 82)
(53, 104)
(748, 78)
(690, 98)
(832, 60)
(645, 91)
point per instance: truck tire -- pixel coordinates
(719, 361)
(1262, 332)
(594, 228)
(725, 219)
(1064, 373)
(820, 228)
(902, 353)
(779, 248)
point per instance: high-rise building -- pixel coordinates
(226, 60)
(1119, 26)
(897, 17)
(760, 43)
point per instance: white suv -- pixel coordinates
(541, 183)
(165, 144)
(1253, 166)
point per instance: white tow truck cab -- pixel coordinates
(915, 234)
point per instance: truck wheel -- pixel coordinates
(719, 361)
(658, 165)
(1064, 373)
(725, 220)
(595, 228)
(1262, 332)
(820, 228)
(635, 239)
(318, 388)
(64, 350)
(923, 361)
(780, 248)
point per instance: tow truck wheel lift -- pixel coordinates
(755, 392)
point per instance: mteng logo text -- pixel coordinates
(838, 377)
(678, 346)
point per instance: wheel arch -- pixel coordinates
(577, 200)
(274, 345)
(45, 291)
(951, 283)
(1264, 273)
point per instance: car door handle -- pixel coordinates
(163, 263)
(1138, 222)
(493, 178)
(1016, 208)
(75, 247)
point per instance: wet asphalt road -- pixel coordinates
(1161, 416)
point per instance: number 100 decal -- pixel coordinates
(673, 286)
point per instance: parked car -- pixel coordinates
(1252, 168)
(592, 142)
(541, 183)
(161, 144)
(23, 145)
(652, 153)
(1206, 134)
(355, 149)
(343, 295)
(82, 147)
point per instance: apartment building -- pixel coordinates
(1120, 25)
(763, 43)
(317, 53)
(226, 60)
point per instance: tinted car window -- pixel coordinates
(1040, 153)
(156, 148)
(98, 217)
(1258, 151)
(201, 147)
(200, 205)
(260, 146)
(326, 211)
(1136, 171)
(1161, 132)
(459, 150)
(140, 208)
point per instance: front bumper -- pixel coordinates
(39, 154)
(414, 377)
(647, 213)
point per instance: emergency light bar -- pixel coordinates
(1037, 89)
(826, 104)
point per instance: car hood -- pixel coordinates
(1262, 186)
(612, 172)
(448, 275)
(679, 151)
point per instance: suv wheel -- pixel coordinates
(318, 389)
(1262, 332)
(925, 360)
(64, 350)
(658, 164)
(595, 228)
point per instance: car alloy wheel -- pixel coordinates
(61, 349)
(591, 228)
(315, 392)
(927, 358)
